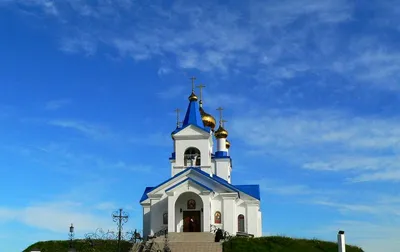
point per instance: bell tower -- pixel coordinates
(193, 142)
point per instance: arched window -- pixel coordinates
(192, 157)
(217, 217)
(165, 219)
(191, 204)
(241, 223)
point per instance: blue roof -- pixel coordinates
(144, 196)
(252, 190)
(193, 116)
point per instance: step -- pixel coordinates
(188, 237)
(195, 247)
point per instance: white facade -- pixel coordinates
(199, 195)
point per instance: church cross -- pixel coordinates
(193, 79)
(220, 115)
(177, 117)
(200, 87)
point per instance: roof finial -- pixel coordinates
(177, 117)
(220, 116)
(201, 86)
(192, 96)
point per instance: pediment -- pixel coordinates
(199, 180)
(192, 132)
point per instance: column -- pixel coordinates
(171, 212)
(155, 215)
(146, 220)
(252, 217)
(206, 212)
(229, 219)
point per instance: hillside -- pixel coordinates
(282, 244)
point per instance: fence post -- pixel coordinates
(341, 242)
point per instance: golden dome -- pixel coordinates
(221, 132)
(208, 120)
(193, 97)
(228, 144)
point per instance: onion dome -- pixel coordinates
(227, 144)
(208, 120)
(193, 97)
(221, 132)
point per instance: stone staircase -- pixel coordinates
(191, 242)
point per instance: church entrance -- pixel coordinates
(189, 213)
(191, 221)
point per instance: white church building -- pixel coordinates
(199, 195)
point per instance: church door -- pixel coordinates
(191, 221)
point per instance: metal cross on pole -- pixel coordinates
(121, 218)
(193, 79)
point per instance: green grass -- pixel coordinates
(80, 245)
(282, 244)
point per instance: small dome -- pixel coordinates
(228, 144)
(208, 120)
(221, 132)
(193, 97)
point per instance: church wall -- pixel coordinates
(158, 208)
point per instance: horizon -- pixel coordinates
(309, 89)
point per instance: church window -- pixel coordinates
(165, 219)
(241, 223)
(217, 217)
(191, 204)
(192, 157)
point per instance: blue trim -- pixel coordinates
(192, 180)
(173, 156)
(221, 154)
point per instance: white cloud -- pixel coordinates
(56, 216)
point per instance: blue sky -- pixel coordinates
(310, 90)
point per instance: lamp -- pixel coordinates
(71, 228)
(181, 210)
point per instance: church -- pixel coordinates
(199, 195)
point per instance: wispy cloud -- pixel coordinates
(94, 131)
(57, 104)
(366, 145)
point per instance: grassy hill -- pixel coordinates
(263, 244)
(80, 245)
(283, 244)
